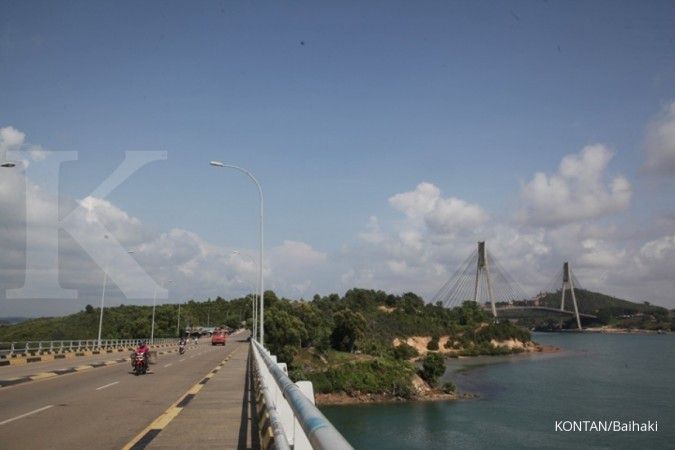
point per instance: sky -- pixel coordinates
(388, 137)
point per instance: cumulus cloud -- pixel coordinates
(660, 142)
(578, 191)
(10, 139)
(444, 216)
(656, 258)
(68, 258)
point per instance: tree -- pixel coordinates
(433, 367)
(405, 351)
(349, 327)
(283, 333)
(433, 343)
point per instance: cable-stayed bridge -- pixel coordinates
(482, 279)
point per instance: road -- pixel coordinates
(59, 364)
(104, 407)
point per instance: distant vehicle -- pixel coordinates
(218, 337)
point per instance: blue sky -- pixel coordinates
(337, 108)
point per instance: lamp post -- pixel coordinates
(105, 283)
(261, 296)
(154, 305)
(254, 316)
(178, 322)
(8, 164)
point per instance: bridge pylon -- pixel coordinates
(483, 272)
(567, 283)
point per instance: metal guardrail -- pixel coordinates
(18, 348)
(287, 407)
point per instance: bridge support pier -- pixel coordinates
(567, 283)
(482, 270)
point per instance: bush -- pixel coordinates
(449, 387)
(376, 376)
(433, 343)
(405, 351)
(433, 367)
(502, 331)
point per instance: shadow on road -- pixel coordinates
(249, 417)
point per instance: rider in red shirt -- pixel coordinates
(144, 350)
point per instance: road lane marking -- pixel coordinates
(144, 438)
(107, 385)
(167, 365)
(26, 414)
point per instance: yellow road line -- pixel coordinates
(142, 439)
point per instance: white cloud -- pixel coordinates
(198, 268)
(443, 216)
(577, 192)
(416, 204)
(373, 233)
(10, 139)
(660, 142)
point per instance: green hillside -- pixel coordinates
(130, 321)
(613, 311)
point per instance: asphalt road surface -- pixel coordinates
(104, 407)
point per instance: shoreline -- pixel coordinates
(428, 394)
(609, 330)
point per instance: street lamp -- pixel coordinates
(154, 305)
(178, 322)
(254, 317)
(8, 164)
(260, 272)
(105, 283)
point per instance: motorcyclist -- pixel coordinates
(144, 350)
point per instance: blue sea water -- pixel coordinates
(624, 377)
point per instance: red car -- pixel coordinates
(218, 337)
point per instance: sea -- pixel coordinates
(588, 395)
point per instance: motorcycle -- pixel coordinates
(181, 348)
(140, 364)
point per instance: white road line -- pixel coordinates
(167, 365)
(181, 360)
(107, 385)
(25, 415)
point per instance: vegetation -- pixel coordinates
(433, 343)
(342, 344)
(433, 367)
(610, 311)
(449, 387)
(130, 321)
(379, 375)
(405, 351)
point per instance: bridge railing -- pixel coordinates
(294, 420)
(24, 348)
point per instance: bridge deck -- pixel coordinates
(543, 309)
(196, 400)
(219, 416)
